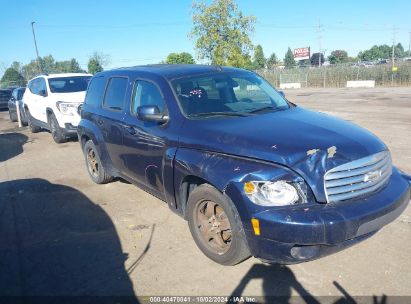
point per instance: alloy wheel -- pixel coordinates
(213, 226)
(92, 162)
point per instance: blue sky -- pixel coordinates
(135, 32)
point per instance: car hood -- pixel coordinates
(308, 142)
(70, 97)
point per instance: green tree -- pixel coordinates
(48, 64)
(31, 69)
(11, 77)
(338, 56)
(381, 52)
(96, 62)
(317, 59)
(94, 66)
(259, 59)
(180, 58)
(222, 33)
(18, 66)
(272, 60)
(289, 59)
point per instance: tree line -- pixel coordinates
(221, 35)
(18, 74)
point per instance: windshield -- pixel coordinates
(68, 84)
(228, 94)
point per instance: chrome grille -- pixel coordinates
(358, 178)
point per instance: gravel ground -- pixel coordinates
(62, 234)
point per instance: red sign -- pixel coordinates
(302, 53)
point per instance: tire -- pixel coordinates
(33, 128)
(13, 118)
(223, 244)
(94, 165)
(56, 132)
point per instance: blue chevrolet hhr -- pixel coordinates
(253, 173)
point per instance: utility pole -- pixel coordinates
(393, 55)
(319, 31)
(35, 45)
(409, 47)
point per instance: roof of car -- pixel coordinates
(62, 75)
(171, 71)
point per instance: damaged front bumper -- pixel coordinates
(309, 231)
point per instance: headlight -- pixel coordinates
(275, 193)
(67, 108)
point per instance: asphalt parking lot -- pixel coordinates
(62, 234)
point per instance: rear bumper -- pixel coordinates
(303, 233)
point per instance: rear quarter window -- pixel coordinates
(115, 92)
(95, 91)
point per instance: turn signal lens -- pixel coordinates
(249, 188)
(256, 226)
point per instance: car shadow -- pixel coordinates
(54, 241)
(278, 283)
(11, 145)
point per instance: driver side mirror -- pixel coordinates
(43, 93)
(151, 113)
(282, 93)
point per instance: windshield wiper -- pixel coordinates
(219, 114)
(266, 109)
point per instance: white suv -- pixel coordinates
(51, 103)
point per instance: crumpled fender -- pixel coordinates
(227, 173)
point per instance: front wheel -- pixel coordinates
(56, 132)
(216, 226)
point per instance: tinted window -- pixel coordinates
(115, 92)
(34, 86)
(147, 94)
(20, 94)
(95, 91)
(42, 85)
(68, 84)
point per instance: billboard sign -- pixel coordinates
(302, 53)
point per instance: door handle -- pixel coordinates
(131, 130)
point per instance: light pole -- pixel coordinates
(35, 45)
(409, 47)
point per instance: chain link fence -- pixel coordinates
(338, 75)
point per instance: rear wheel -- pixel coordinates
(94, 165)
(56, 131)
(33, 128)
(13, 117)
(216, 226)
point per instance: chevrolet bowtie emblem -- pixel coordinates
(372, 176)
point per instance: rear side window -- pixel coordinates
(116, 90)
(20, 94)
(95, 91)
(147, 94)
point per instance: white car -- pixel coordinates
(51, 102)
